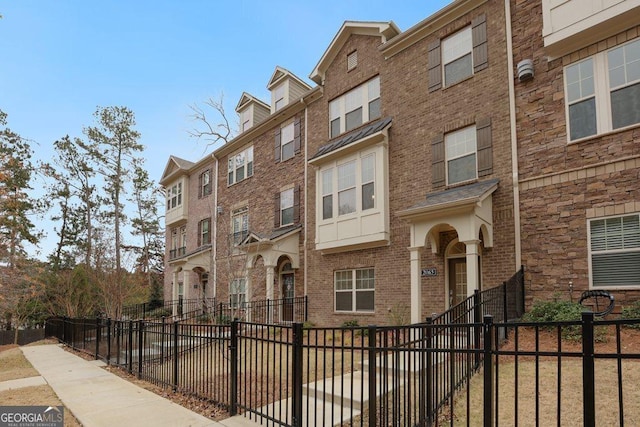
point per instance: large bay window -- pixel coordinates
(354, 290)
(174, 196)
(603, 91)
(240, 166)
(615, 251)
(356, 107)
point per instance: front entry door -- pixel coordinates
(288, 292)
(457, 280)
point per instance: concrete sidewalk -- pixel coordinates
(98, 398)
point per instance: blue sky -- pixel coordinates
(61, 59)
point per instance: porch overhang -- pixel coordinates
(467, 209)
(198, 260)
(281, 242)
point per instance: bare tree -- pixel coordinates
(205, 129)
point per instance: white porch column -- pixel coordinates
(271, 270)
(174, 292)
(186, 284)
(416, 285)
(473, 266)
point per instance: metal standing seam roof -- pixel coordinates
(466, 192)
(360, 133)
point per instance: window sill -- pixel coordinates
(238, 182)
(602, 135)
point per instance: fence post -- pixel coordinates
(306, 308)
(97, 336)
(296, 369)
(64, 330)
(488, 371)
(429, 373)
(140, 346)
(233, 347)
(108, 340)
(130, 347)
(175, 355)
(505, 308)
(588, 372)
(372, 334)
(477, 319)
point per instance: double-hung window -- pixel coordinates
(355, 186)
(327, 193)
(358, 106)
(183, 241)
(456, 57)
(460, 148)
(205, 183)
(240, 166)
(204, 232)
(615, 251)
(238, 292)
(174, 196)
(354, 290)
(286, 207)
(239, 225)
(347, 188)
(603, 91)
(286, 142)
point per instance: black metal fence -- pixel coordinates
(285, 310)
(24, 336)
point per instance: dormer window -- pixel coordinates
(279, 100)
(245, 120)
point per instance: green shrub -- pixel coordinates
(631, 312)
(562, 311)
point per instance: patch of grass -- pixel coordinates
(631, 312)
(13, 365)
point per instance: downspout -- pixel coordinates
(306, 187)
(514, 137)
(214, 246)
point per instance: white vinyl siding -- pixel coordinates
(615, 251)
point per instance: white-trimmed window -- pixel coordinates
(245, 120)
(238, 292)
(346, 188)
(460, 149)
(205, 186)
(240, 166)
(204, 232)
(358, 106)
(327, 193)
(239, 224)
(286, 142)
(286, 207)
(279, 100)
(355, 290)
(174, 196)
(457, 59)
(602, 92)
(615, 251)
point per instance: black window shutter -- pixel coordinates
(200, 185)
(276, 213)
(485, 150)
(277, 139)
(433, 66)
(479, 37)
(296, 204)
(200, 233)
(437, 160)
(296, 136)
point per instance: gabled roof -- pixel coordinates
(354, 136)
(175, 167)
(280, 74)
(276, 235)
(246, 99)
(384, 30)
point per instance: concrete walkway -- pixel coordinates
(98, 398)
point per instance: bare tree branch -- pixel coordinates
(205, 129)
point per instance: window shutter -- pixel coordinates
(433, 64)
(276, 213)
(200, 233)
(479, 37)
(277, 144)
(437, 159)
(296, 136)
(296, 204)
(485, 151)
(200, 186)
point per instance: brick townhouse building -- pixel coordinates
(422, 165)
